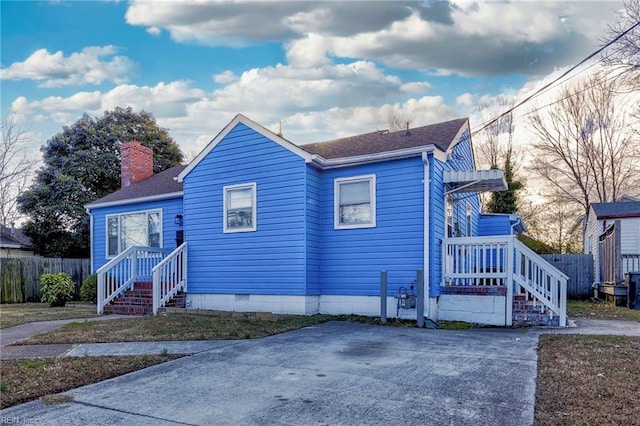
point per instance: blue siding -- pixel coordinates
(460, 158)
(494, 225)
(170, 208)
(314, 222)
(353, 258)
(437, 224)
(271, 260)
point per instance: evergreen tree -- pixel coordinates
(82, 164)
(506, 201)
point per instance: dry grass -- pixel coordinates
(27, 379)
(601, 310)
(588, 380)
(22, 313)
(187, 327)
(172, 327)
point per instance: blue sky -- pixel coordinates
(326, 69)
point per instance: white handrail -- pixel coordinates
(120, 273)
(169, 277)
(503, 260)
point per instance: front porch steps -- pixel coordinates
(529, 313)
(139, 301)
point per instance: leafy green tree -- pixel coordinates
(82, 164)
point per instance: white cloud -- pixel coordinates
(416, 86)
(481, 38)
(93, 65)
(225, 77)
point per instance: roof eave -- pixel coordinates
(239, 118)
(398, 154)
(158, 197)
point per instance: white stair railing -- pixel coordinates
(135, 264)
(540, 281)
(502, 260)
(169, 277)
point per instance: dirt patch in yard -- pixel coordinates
(27, 379)
(21, 313)
(601, 310)
(588, 380)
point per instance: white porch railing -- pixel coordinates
(132, 265)
(169, 277)
(504, 261)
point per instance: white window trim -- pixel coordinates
(118, 215)
(336, 201)
(254, 209)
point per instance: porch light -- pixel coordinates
(178, 220)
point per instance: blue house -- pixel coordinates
(258, 223)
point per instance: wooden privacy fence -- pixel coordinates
(579, 269)
(20, 276)
(611, 255)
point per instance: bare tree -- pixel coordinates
(15, 168)
(496, 149)
(396, 122)
(625, 52)
(496, 139)
(584, 148)
(556, 225)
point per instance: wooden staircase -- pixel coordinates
(527, 312)
(139, 301)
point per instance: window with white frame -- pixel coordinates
(355, 202)
(240, 208)
(449, 215)
(133, 229)
(468, 223)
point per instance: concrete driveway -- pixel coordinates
(334, 373)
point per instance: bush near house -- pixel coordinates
(89, 289)
(56, 289)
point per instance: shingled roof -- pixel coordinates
(14, 238)
(159, 184)
(442, 135)
(617, 209)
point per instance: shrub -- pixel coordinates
(89, 289)
(56, 289)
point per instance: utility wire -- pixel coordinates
(563, 75)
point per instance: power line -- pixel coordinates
(548, 85)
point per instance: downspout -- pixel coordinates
(425, 227)
(90, 239)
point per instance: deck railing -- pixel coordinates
(630, 263)
(169, 277)
(132, 265)
(505, 261)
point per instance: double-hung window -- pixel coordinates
(133, 229)
(239, 204)
(355, 202)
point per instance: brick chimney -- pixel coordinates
(136, 163)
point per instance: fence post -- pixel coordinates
(383, 297)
